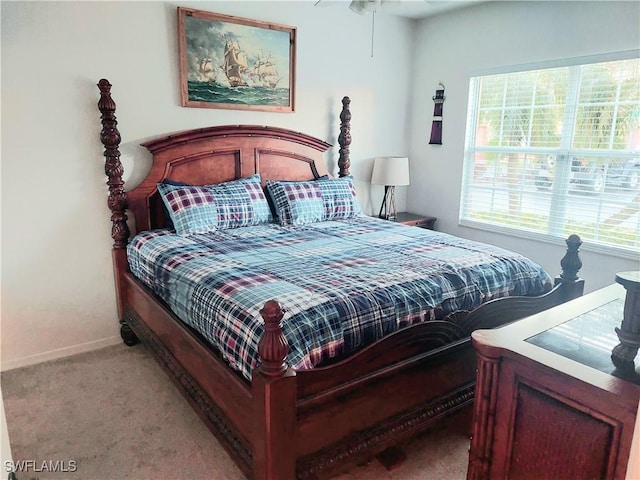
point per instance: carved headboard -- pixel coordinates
(212, 155)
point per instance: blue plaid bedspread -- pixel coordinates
(343, 284)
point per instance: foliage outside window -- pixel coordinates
(556, 151)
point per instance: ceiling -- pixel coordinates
(406, 8)
(422, 8)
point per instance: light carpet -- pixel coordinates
(115, 414)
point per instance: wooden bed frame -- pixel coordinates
(288, 424)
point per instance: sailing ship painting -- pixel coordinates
(207, 72)
(235, 64)
(266, 72)
(228, 62)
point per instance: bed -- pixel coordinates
(283, 409)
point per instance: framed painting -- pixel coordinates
(235, 63)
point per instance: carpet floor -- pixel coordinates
(115, 414)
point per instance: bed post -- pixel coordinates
(573, 286)
(344, 139)
(273, 387)
(117, 200)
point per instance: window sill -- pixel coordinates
(610, 250)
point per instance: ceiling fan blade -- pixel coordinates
(358, 6)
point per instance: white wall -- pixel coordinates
(454, 46)
(57, 277)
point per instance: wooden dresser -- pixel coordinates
(549, 402)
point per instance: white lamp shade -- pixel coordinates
(390, 171)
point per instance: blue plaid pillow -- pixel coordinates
(168, 223)
(241, 203)
(272, 203)
(192, 209)
(233, 204)
(339, 198)
(298, 203)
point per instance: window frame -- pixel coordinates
(563, 151)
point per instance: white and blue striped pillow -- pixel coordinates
(201, 209)
(298, 203)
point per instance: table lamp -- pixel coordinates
(390, 172)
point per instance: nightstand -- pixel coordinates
(422, 221)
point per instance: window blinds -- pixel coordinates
(555, 151)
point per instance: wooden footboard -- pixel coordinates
(360, 416)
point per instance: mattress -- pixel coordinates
(343, 284)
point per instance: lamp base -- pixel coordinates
(388, 207)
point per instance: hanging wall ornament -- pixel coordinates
(436, 127)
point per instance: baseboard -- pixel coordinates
(58, 353)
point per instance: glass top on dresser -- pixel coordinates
(589, 339)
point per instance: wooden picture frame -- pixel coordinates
(235, 63)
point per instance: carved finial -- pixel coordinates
(105, 103)
(273, 346)
(344, 139)
(110, 137)
(571, 262)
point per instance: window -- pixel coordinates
(555, 151)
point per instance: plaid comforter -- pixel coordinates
(343, 284)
